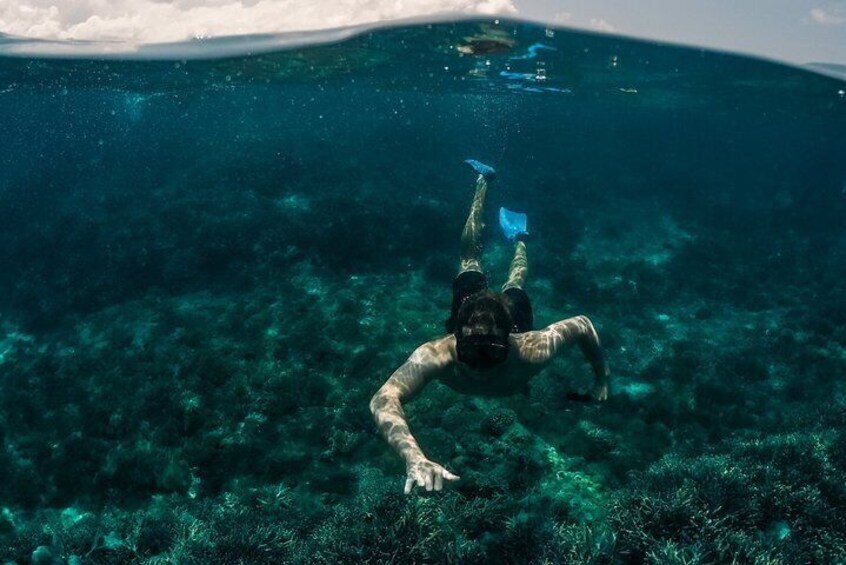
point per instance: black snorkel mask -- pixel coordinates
(482, 351)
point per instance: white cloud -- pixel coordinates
(835, 17)
(562, 17)
(153, 21)
(601, 25)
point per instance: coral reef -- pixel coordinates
(201, 292)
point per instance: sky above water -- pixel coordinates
(797, 31)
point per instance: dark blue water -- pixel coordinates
(209, 266)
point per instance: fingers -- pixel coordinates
(449, 476)
(430, 479)
(411, 481)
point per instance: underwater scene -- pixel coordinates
(210, 266)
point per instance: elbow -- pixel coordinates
(588, 328)
(379, 401)
(374, 405)
(585, 322)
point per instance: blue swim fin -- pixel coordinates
(513, 224)
(485, 170)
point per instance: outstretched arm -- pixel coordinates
(386, 407)
(545, 344)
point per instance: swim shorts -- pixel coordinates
(469, 283)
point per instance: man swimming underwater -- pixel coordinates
(490, 348)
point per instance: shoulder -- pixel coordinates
(534, 347)
(435, 354)
(532, 338)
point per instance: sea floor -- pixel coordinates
(229, 422)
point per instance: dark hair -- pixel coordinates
(487, 322)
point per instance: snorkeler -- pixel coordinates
(490, 348)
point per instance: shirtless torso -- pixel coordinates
(506, 379)
(529, 354)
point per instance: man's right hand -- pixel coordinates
(428, 474)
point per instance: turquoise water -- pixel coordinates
(210, 265)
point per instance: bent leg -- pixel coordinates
(471, 237)
(519, 267)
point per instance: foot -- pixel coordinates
(513, 224)
(485, 170)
